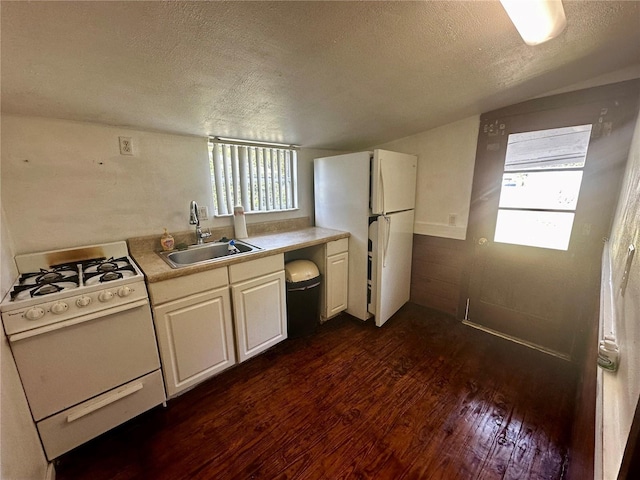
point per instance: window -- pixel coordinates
(262, 178)
(540, 186)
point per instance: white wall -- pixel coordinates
(621, 390)
(21, 454)
(446, 159)
(65, 183)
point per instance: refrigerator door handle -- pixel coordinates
(377, 200)
(386, 240)
(383, 211)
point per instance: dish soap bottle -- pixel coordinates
(166, 241)
(231, 248)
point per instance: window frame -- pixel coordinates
(541, 167)
(263, 177)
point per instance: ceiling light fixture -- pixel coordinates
(536, 20)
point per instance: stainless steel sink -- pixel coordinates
(209, 252)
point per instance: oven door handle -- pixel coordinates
(125, 392)
(75, 321)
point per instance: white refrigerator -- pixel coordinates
(372, 196)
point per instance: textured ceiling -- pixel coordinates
(343, 75)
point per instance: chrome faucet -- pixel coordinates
(194, 219)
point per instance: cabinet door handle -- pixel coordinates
(125, 392)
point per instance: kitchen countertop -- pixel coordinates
(156, 269)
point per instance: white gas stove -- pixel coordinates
(80, 329)
(60, 285)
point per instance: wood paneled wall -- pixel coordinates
(437, 269)
(435, 272)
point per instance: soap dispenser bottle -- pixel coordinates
(166, 241)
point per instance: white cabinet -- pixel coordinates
(332, 260)
(208, 321)
(259, 304)
(195, 332)
(336, 278)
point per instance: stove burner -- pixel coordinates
(46, 288)
(99, 262)
(106, 270)
(108, 276)
(107, 267)
(45, 282)
(49, 277)
(55, 274)
(104, 265)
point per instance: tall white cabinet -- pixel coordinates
(336, 278)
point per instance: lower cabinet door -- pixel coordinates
(336, 284)
(260, 312)
(195, 335)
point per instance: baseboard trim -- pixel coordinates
(51, 472)
(540, 348)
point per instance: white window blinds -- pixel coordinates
(262, 179)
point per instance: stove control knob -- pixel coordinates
(34, 313)
(83, 301)
(124, 291)
(105, 296)
(59, 307)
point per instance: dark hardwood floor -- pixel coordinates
(423, 397)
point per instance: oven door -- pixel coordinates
(66, 363)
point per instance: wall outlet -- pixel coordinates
(203, 213)
(126, 146)
(453, 218)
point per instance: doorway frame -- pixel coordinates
(626, 89)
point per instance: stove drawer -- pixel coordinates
(70, 428)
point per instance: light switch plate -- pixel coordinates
(203, 213)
